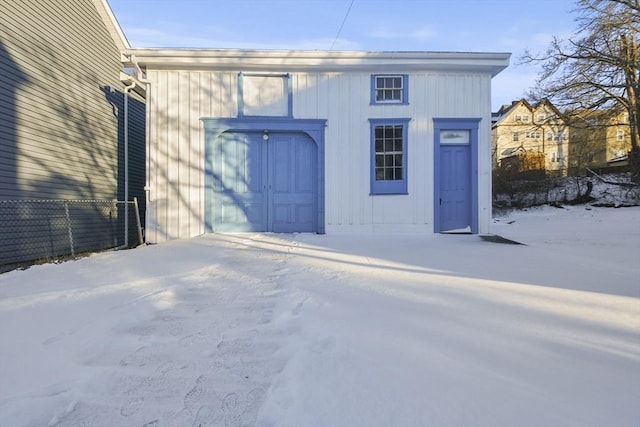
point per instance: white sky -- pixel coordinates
(423, 25)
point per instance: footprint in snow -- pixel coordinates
(238, 411)
(323, 345)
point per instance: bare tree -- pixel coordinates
(598, 69)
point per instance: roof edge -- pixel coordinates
(300, 60)
(110, 21)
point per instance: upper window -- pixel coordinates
(620, 135)
(265, 95)
(389, 89)
(558, 136)
(389, 156)
(533, 134)
(522, 117)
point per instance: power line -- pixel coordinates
(342, 25)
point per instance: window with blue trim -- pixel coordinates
(389, 156)
(390, 89)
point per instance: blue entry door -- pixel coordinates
(455, 187)
(264, 183)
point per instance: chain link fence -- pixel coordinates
(33, 231)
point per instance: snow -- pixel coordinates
(335, 330)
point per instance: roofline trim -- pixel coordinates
(110, 21)
(307, 60)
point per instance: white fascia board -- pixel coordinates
(294, 60)
(110, 21)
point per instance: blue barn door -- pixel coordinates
(239, 181)
(455, 187)
(264, 182)
(292, 183)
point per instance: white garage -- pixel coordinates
(317, 141)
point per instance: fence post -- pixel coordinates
(69, 231)
(135, 204)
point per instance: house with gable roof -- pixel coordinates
(63, 101)
(531, 137)
(600, 140)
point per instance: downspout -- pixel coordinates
(140, 77)
(126, 162)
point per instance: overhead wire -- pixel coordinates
(346, 15)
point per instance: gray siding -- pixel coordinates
(61, 127)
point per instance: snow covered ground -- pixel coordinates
(335, 330)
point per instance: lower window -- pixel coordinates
(389, 156)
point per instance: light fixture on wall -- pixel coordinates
(265, 135)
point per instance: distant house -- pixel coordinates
(535, 137)
(317, 141)
(599, 140)
(62, 120)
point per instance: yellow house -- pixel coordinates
(530, 138)
(599, 140)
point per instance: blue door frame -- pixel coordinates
(470, 175)
(215, 127)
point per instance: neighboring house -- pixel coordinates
(317, 141)
(599, 140)
(530, 137)
(62, 120)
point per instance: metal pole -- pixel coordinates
(135, 204)
(69, 231)
(126, 167)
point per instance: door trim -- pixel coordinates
(314, 128)
(471, 124)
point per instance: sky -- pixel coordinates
(371, 25)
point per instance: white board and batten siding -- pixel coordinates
(180, 95)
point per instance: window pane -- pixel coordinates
(379, 174)
(379, 161)
(388, 132)
(398, 174)
(379, 145)
(398, 160)
(388, 174)
(379, 132)
(397, 82)
(388, 160)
